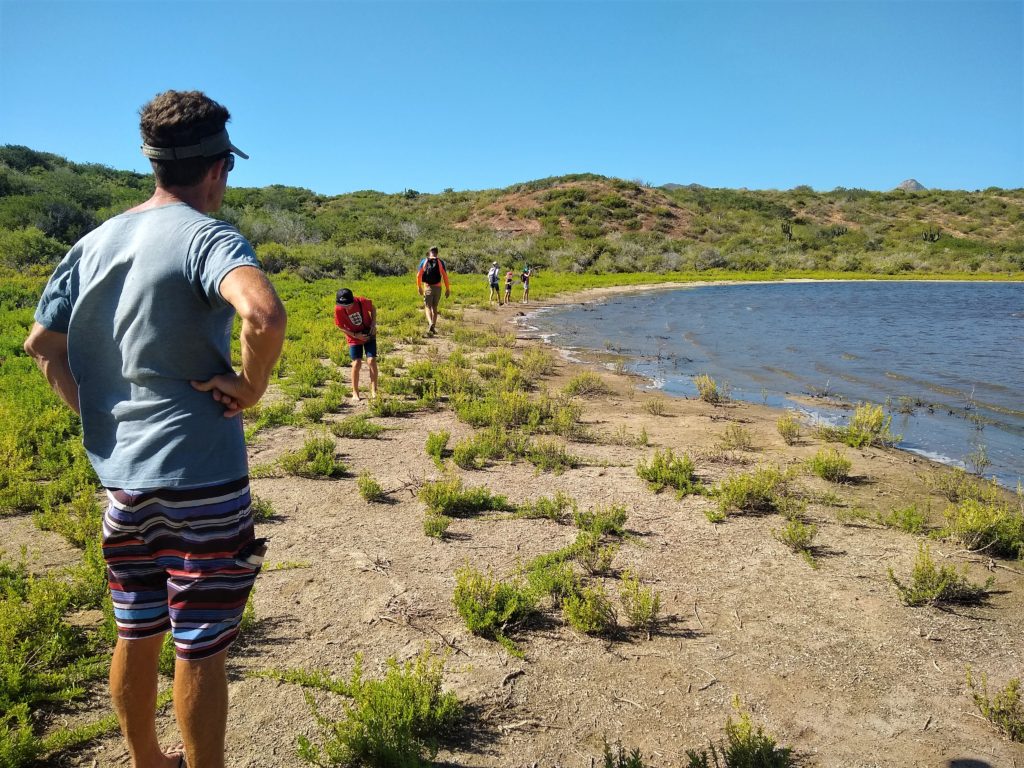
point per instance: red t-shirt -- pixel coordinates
(356, 317)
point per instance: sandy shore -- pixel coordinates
(827, 659)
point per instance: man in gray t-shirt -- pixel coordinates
(133, 331)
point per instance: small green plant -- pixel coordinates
(397, 720)
(262, 510)
(789, 428)
(620, 758)
(829, 464)
(641, 604)
(868, 425)
(556, 580)
(537, 362)
(590, 611)
(989, 526)
(799, 537)
(744, 747)
(586, 384)
(709, 390)
(389, 406)
(553, 508)
(602, 520)
(594, 557)
(549, 455)
(436, 444)
(267, 416)
(666, 470)
(908, 519)
(978, 459)
(449, 497)
(1005, 711)
(490, 607)
(957, 485)
(315, 459)
(369, 488)
(436, 525)
(356, 427)
(655, 406)
(931, 585)
(737, 438)
(759, 492)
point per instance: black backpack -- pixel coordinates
(432, 272)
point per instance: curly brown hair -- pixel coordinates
(181, 118)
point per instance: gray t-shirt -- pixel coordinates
(139, 299)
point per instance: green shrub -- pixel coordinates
(789, 427)
(957, 485)
(1005, 711)
(389, 406)
(554, 580)
(602, 520)
(641, 604)
(357, 427)
(449, 497)
(262, 509)
(315, 459)
(549, 455)
(744, 747)
(737, 438)
(313, 410)
(396, 721)
(537, 362)
(829, 464)
(908, 519)
(989, 526)
(369, 488)
(586, 384)
(553, 508)
(868, 426)
(931, 585)
(491, 607)
(436, 525)
(758, 492)
(263, 417)
(436, 444)
(655, 406)
(595, 558)
(799, 537)
(590, 611)
(708, 389)
(666, 470)
(619, 758)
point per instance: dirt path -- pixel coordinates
(827, 659)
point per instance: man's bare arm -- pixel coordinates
(50, 350)
(263, 316)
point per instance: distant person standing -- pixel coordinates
(525, 278)
(510, 277)
(428, 282)
(492, 281)
(357, 317)
(133, 332)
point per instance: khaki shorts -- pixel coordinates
(432, 295)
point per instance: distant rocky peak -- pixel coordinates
(911, 185)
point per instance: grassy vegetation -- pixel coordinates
(369, 488)
(709, 390)
(396, 721)
(437, 442)
(590, 611)
(586, 384)
(829, 464)
(735, 437)
(931, 584)
(356, 427)
(745, 746)
(992, 527)
(1005, 710)
(759, 492)
(799, 537)
(666, 470)
(789, 428)
(449, 497)
(641, 604)
(316, 458)
(869, 425)
(490, 607)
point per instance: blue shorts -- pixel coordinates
(355, 351)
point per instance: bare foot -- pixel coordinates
(355, 397)
(373, 394)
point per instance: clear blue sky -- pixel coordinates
(340, 96)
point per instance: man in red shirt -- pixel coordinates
(356, 316)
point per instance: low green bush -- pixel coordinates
(390, 406)
(550, 508)
(759, 492)
(602, 520)
(369, 488)
(586, 384)
(735, 437)
(436, 525)
(490, 607)
(449, 497)
(549, 455)
(744, 747)
(595, 558)
(437, 442)
(789, 428)
(357, 427)
(931, 584)
(590, 611)
(708, 389)
(1005, 710)
(992, 527)
(314, 459)
(666, 470)
(869, 425)
(641, 604)
(829, 464)
(799, 537)
(909, 519)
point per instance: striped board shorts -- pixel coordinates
(183, 560)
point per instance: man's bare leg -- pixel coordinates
(371, 364)
(356, 365)
(133, 678)
(426, 311)
(201, 704)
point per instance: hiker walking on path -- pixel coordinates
(428, 282)
(357, 317)
(510, 277)
(525, 278)
(492, 281)
(133, 332)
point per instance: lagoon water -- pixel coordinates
(947, 356)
